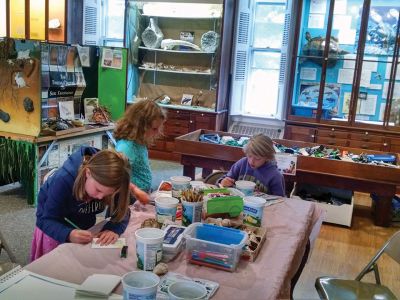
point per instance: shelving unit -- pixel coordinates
(202, 74)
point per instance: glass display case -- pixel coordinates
(344, 72)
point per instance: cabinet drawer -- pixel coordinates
(366, 137)
(331, 141)
(157, 145)
(177, 123)
(332, 133)
(175, 114)
(170, 146)
(299, 133)
(174, 131)
(366, 145)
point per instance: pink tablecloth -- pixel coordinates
(289, 225)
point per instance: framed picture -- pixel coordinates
(66, 109)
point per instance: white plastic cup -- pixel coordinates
(197, 184)
(140, 285)
(253, 210)
(149, 243)
(166, 209)
(182, 290)
(191, 212)
(245, 186)
(179, 183)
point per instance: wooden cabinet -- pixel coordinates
(180, 122)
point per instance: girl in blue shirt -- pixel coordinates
(141, 124)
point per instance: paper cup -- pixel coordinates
(181, 290)
(245, 186)
(191, 212)
(140, 285)
(149, 247)
(166, 209)
(253, 210)
(179, 183)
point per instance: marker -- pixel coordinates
(71, 223)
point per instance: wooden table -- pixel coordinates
(380, 180)
(289, 224)
(39, 155)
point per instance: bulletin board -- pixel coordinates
(112, 80)
(20, 106)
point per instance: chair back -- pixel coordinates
(392, 247)
(213, 177)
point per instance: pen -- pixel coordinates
(71, 223)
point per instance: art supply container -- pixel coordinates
(140, 285)
(182, 290)
(149, 243)
(245, 186)
(253, 210)
(179, 183)
(191, 212)
(214, 246)
(173, 242)
(166, 208)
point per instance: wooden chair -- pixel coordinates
(334, 288)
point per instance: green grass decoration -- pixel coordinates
(17, 163)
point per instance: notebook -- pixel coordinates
(23, 284)
(97, 286)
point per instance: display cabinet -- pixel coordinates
(345, 75)
(183, 62)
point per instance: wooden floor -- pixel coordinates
(343, 252)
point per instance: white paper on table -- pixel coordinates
(340, 7)
(318, 7)
(342, 22)
(316, 21)
(308, 73)
(118, 244)
(347, 36)
(98, 285)
(368, 106)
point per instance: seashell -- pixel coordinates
(28, 104)
(226, 223)
(150, 223)
(160, 269)
(152, 35)
(209, 41)
(5, 117)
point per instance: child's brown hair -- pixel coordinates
(110, 169)
(260, 145)
(137, 119)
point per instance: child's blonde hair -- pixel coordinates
(260, 145)
(110, 169)
(137, 119)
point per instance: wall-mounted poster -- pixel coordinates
(309, 95)
(37, 20)
(17, 19)
(111, 58)
(381, 31)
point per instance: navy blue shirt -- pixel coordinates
(56, 202)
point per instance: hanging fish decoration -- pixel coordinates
(315, 47)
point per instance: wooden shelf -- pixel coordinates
(177, 72)
(176, 51)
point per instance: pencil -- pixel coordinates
(71, 223)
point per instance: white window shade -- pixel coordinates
(91, 14)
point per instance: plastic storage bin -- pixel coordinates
(214, 246)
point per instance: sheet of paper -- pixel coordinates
(347, 36)
(368, 106)
(308, 73)
(318, 7)
(370, 63)
(375, 86)
(396, 91)
(388, 70)
(342, 22)
(98, 284)
(365, 78)
(345, 76)
(118, 244)
(346, 103)
(349, 61)
(316, 21)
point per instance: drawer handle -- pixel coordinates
(202, 115)
(313, 136)
(191, 121)
(385, 144)
(333, 129)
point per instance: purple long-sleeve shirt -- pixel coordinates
(267, 177)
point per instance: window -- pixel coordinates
(260, 59)
(113, 27)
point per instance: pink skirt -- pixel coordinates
(41, 244)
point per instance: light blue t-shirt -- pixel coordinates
(139, 160)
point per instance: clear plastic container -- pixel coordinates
(214, 246)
